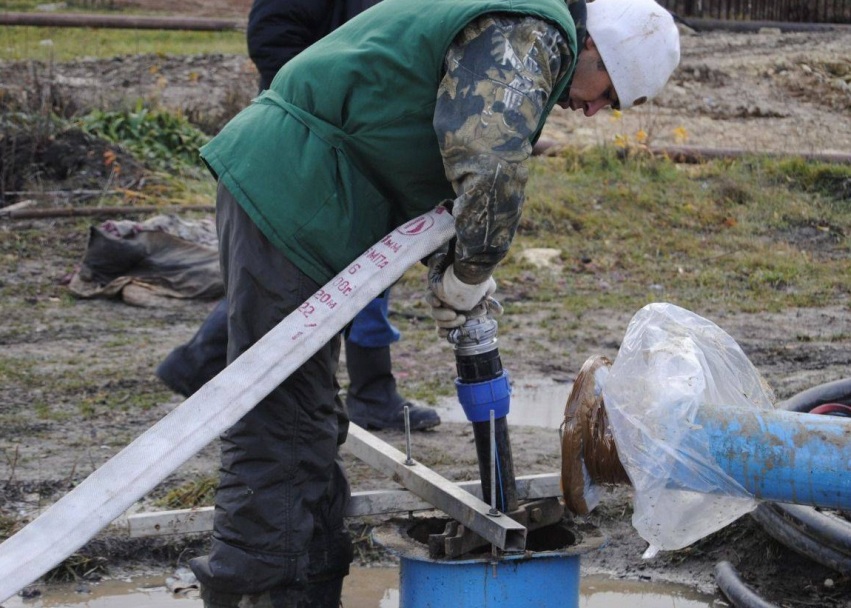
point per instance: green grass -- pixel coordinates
(752, 234)
(68, 43)
(14, 369)
(65, 44)
(431, 389)
(195, 493)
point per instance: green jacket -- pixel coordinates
(341, 148)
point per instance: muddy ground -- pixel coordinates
(78, 376)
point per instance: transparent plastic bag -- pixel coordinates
(670, 363)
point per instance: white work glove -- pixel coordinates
(452, 301)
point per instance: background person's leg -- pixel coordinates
(190, 366)
(371, 327)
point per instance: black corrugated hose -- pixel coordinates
(735, 589)
(823, 537)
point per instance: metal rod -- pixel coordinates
(408, 460)
(698, 154)
(494, 511)
(716, 23)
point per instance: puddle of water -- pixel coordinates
(136, 593)
(534, 402)
(601, 592)
(364, 588)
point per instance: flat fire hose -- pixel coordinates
(138, 468)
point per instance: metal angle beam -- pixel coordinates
(371, 502)
(445, 495)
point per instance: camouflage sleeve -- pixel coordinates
(499, 74)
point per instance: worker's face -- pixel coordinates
(591, 88)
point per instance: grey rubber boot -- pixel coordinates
(372, 400)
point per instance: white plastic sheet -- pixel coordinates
(670, 363)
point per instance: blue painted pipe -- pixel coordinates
(533, 580)
(782, 456)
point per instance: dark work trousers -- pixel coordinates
(282, 492)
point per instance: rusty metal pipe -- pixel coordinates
(120, 22)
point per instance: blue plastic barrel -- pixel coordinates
(532, 580)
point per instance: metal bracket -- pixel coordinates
(457, 540)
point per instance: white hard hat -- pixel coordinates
(639, 43)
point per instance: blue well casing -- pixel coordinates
(532, 580)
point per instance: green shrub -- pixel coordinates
(160, 139)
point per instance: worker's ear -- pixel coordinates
(589, 43)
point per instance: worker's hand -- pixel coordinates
(444, 318)
(453, 301)
(453, 292)
(447, 319)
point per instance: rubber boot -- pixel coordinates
(372, 399)
(190, 366)
(279, 598)
(322, 594)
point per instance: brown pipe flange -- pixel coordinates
(587, 444)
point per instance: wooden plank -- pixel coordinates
(16, 207)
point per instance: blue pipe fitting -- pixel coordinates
(479, 398)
